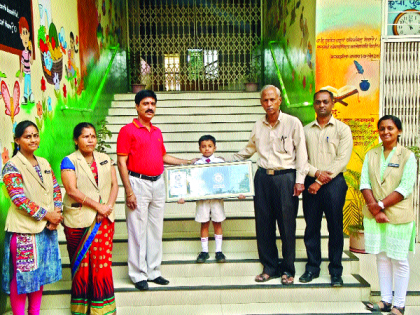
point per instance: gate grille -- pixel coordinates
(401, 92)
(195, 44)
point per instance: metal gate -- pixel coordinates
(194, 44)
(401, 93)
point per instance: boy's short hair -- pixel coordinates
(207, 137)
(23, 23)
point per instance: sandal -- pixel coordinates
(263, 277)
(399, 309)
(287, 278)
(377, 308)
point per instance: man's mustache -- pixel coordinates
(150, 111)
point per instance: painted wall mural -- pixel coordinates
(347, 64)
(289, 29)
(51, 88)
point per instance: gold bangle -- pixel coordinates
(129, 195)
(84, 200)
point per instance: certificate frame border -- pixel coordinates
(250, 193)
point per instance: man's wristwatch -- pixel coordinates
(381, 204)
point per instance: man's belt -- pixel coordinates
(276, 172)
(151, 178)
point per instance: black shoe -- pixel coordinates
(142, 285)
(160, 280)
(336, 281)
(202, 257)
(220, 257)
(308, 276)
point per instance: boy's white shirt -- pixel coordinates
(212, 158)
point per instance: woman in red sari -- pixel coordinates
(90, 180)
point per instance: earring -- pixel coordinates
(17, 147)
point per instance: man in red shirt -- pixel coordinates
(141, 155)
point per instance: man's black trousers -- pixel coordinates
(330, 200)
(274, 202)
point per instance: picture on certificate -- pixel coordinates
(209, 181)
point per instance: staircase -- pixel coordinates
(212, 288)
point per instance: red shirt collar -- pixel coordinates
(139, 125)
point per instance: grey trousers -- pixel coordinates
(145, 227)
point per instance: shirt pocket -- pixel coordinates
(333, 145)
(284, 145)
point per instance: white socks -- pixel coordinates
(218, 239)
(205, 243)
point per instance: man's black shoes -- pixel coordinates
(160, 280)
(142, 285)
(308, 276)
(336, 281)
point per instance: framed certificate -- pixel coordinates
(209, 181)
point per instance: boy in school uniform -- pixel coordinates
(212, 209)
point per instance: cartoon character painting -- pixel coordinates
(45, 12)
(72, 70)
(11, 104)
(26, 60)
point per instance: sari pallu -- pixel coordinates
(90, 251)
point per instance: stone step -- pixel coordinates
(192, 155)
(189, 228)
(287, 308)
(199, 103)
(182, 147)
(193, 136)
(217, 109)
(208, 119)
(186, 267)
(233, 209)
(219, 290)
(231, 246)
(337, 308)
(190, 96)
(191, 126)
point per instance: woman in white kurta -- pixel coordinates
(387, 181)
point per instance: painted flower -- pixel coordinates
(75, 81)
(64, 90)
(49, 104)
(5, 155)
(43, 86)
(39, 109)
